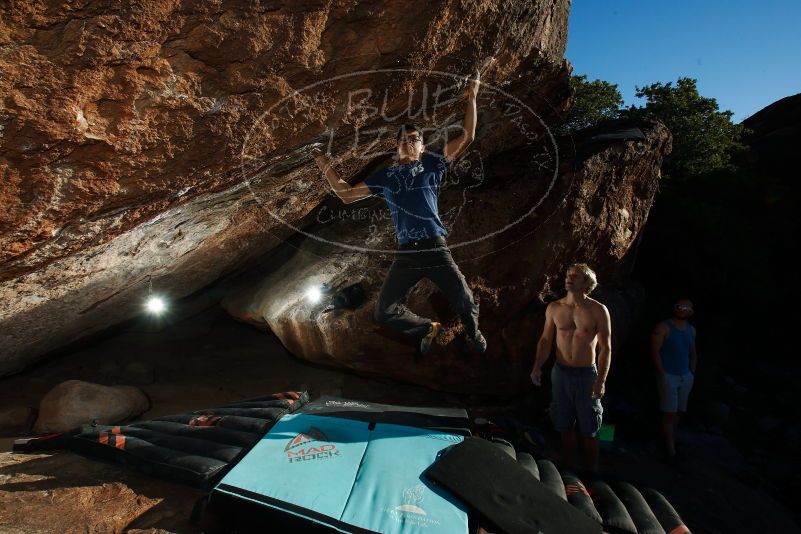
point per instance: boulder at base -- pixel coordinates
(74, 403)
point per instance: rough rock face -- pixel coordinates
(144, 142)
(74, 403)
(591, 210)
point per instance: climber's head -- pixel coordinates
(410, 142)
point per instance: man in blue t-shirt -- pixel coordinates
(674, 357)
(411, 187)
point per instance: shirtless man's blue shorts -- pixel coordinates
(572, 400)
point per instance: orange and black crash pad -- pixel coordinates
(504, 493)
(195, 448)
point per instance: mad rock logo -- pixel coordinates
(309, 446)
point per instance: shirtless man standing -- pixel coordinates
(579, 323)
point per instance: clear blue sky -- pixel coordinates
(745, 54)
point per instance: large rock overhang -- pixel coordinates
(131, 148)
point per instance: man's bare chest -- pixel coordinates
(569, 320)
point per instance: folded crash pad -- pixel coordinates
(194, 448)
(664, 512)
(638, 508)
(529, 463)
(549, 475)
(504, 492)
(578, 496)
(323, 472)
(449, 420)
(615, 516)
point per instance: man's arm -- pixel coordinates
(348, 193)
(605, 356)
(544, 346)
(456, 146)
(657, 338)
(693, 354)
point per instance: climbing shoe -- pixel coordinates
(428, 340)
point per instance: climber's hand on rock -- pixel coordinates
(320, 157)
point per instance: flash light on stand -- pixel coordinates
(315, 293)
(154, 303)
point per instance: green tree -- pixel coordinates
(704, 138)
(592, 102)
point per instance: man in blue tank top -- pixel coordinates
(410, 186)
(674, 356)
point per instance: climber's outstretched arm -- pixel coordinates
(456, 146)
(348, 193)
